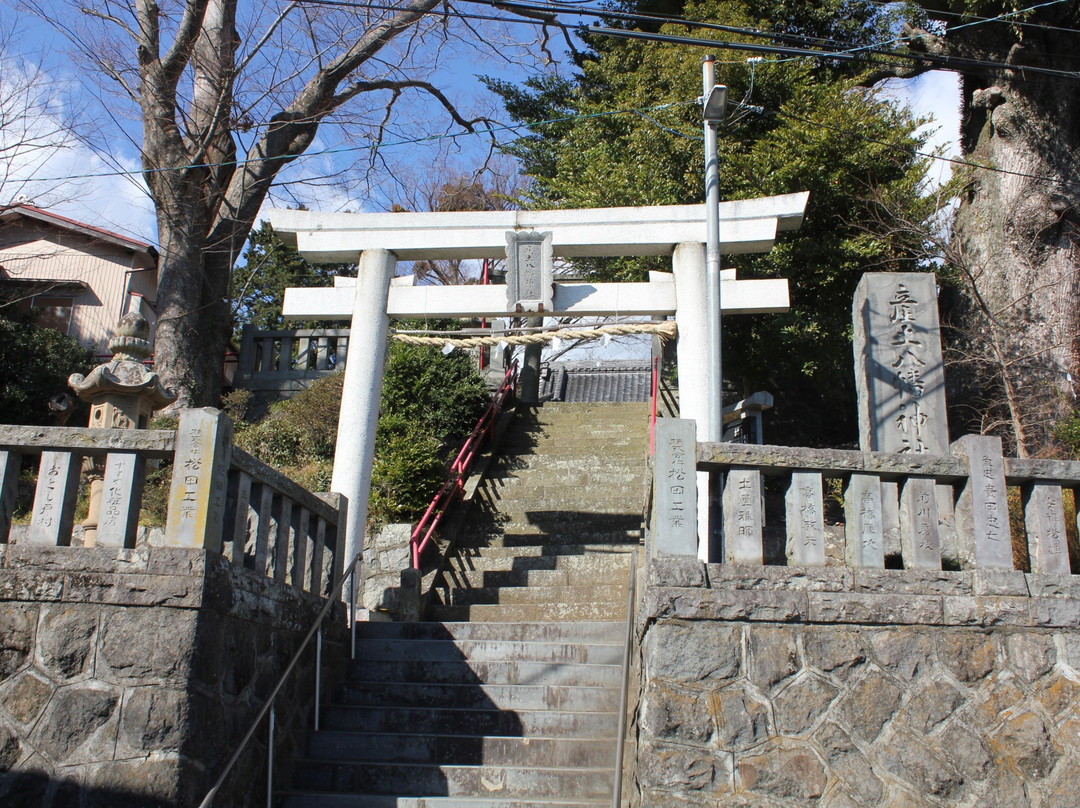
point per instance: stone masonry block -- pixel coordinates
(1056, 612)
(772, 655)
(699, 772)
(741, 718)
(801, 704)
(987, 611)
(65, 648)
(931, 706)
(1031, 655)
(676, 571)
(999, 582)
(27, 696)
(676, 715)
(912, 582)
(139, 646)
(833, 649)
(696, 604)
(903, 651)
(76, 559)
(801, 579)
(76, 726)
(908, 758)
(786, 770)
(829, 607)
(868, 705)
(846, 761)
(18, 627)
(969, 655)
(695, 652)
(1023, 743)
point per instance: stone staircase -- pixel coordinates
(508, 698)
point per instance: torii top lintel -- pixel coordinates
(746, 226)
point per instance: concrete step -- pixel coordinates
(325, 800)
(531, 611)
(387, 650)
(601, 632)
(486, 673)
(546, 522)
(561, 500)
(469, 721)
(583, 572)
(571, 698)
(487, 750)
(451, 781)
(538, 478)
(512, 595)
(542, 556)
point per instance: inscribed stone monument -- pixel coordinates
(899, 373)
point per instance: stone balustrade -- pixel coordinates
(926, 501)
(221, 498)
(289, 355)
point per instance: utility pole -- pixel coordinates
(713, 109)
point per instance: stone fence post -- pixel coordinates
(200, 479)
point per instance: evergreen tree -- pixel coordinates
(791, 126)
(258, 286)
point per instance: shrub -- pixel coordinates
(37, 362)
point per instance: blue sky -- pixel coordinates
(91, 185)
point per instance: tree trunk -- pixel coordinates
(1015, 235)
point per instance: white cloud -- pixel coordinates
(43, 163)
(934, 95)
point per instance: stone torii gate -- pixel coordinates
(380, 240)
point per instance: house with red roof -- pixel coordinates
(81, 279)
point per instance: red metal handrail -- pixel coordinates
(454, 488)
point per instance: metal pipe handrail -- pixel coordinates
(624, 690)
(454, 487)
(268, 705)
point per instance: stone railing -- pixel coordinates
(282, 360)
(912, 501)
(220, 497)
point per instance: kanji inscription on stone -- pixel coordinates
(743, 514)
(899, 373)
(674, 519)
(529, 271)
(982, 511)
(805, 519)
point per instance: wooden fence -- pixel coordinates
(220, 497)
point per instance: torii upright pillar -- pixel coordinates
(355, 449)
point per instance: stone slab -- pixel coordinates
(982, 511)
(743, 516)
(854, 607)
(805, 519)
(865, 543)
(200, 479)
(920, 542)
(1044, 518)
(673, 531)
(899, 371)
(987, 611)
(697, 604)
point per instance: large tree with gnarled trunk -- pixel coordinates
(1014, 247)
(224, 112)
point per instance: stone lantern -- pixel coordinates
(123, 394)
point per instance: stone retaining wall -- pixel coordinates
(128, 677)
(781, 686)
